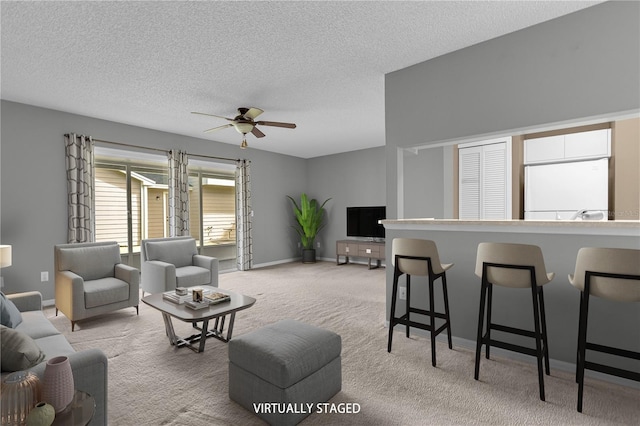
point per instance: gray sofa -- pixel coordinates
(90, 367)
(167, 263)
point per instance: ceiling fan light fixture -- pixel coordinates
(243, 127)
(244, 123)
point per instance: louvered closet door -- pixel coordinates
(494, 181)
(483, 182)
(469, 182)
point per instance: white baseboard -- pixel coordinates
(299, 259)
(277, 262)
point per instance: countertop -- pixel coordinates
(584, 227)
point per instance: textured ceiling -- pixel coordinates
(320, 65)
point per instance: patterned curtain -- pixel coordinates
(80, 187)
(178, 193)
(244, 258)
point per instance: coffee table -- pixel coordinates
(216, 312)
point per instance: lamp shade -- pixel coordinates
(243, 127)
(5, 256)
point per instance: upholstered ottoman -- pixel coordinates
(281, 371)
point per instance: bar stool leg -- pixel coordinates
(536, 319)
(408, 303)
(579, 334)
(433, 322)
(582, 344)
(483, 293)
(392, 314)
(488, 335)
(544, 331)
(446, 308)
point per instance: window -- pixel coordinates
(212, 208)
(131, 203)
(484, 180)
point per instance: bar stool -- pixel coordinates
(515, 266)
(419, 257)
(612, 274)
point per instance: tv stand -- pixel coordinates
(360, 248)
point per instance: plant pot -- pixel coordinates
(308, 255)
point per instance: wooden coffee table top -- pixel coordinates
(237, 303)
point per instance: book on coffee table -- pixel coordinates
(172, 297)
(216, 297)
(196, 305)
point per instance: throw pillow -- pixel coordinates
(18, 351)
(9, 313)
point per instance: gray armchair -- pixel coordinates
(91, 280)
(167, 263)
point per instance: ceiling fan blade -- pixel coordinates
(276, 124)
(224, 126)
(253, 112)
(257, 133)
(212, 115)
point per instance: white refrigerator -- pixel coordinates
(567, 191)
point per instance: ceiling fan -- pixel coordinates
(245, 123)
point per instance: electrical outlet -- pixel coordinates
(318, 244)
(299, 244)
(402, 293)
(44, 276)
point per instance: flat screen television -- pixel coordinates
(363, 221)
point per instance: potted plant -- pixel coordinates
(309, 221)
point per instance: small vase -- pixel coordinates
(42, 414)
(58, 383)
(20, 392)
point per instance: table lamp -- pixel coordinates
(5, 259)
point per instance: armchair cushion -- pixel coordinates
(9, 314)
(178, 252)
(18, 351)
(104, 291)
(189, 276)
(90, 262)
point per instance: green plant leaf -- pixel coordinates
(309, 219)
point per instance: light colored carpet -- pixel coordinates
(152, 383)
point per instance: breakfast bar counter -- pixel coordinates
(457, 242)
(576, 227)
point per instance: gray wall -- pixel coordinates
(421, 189)
(33, 206)
(354, 178)
(582, 65)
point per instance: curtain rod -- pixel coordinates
(163, 150)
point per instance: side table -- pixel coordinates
(79, 412)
